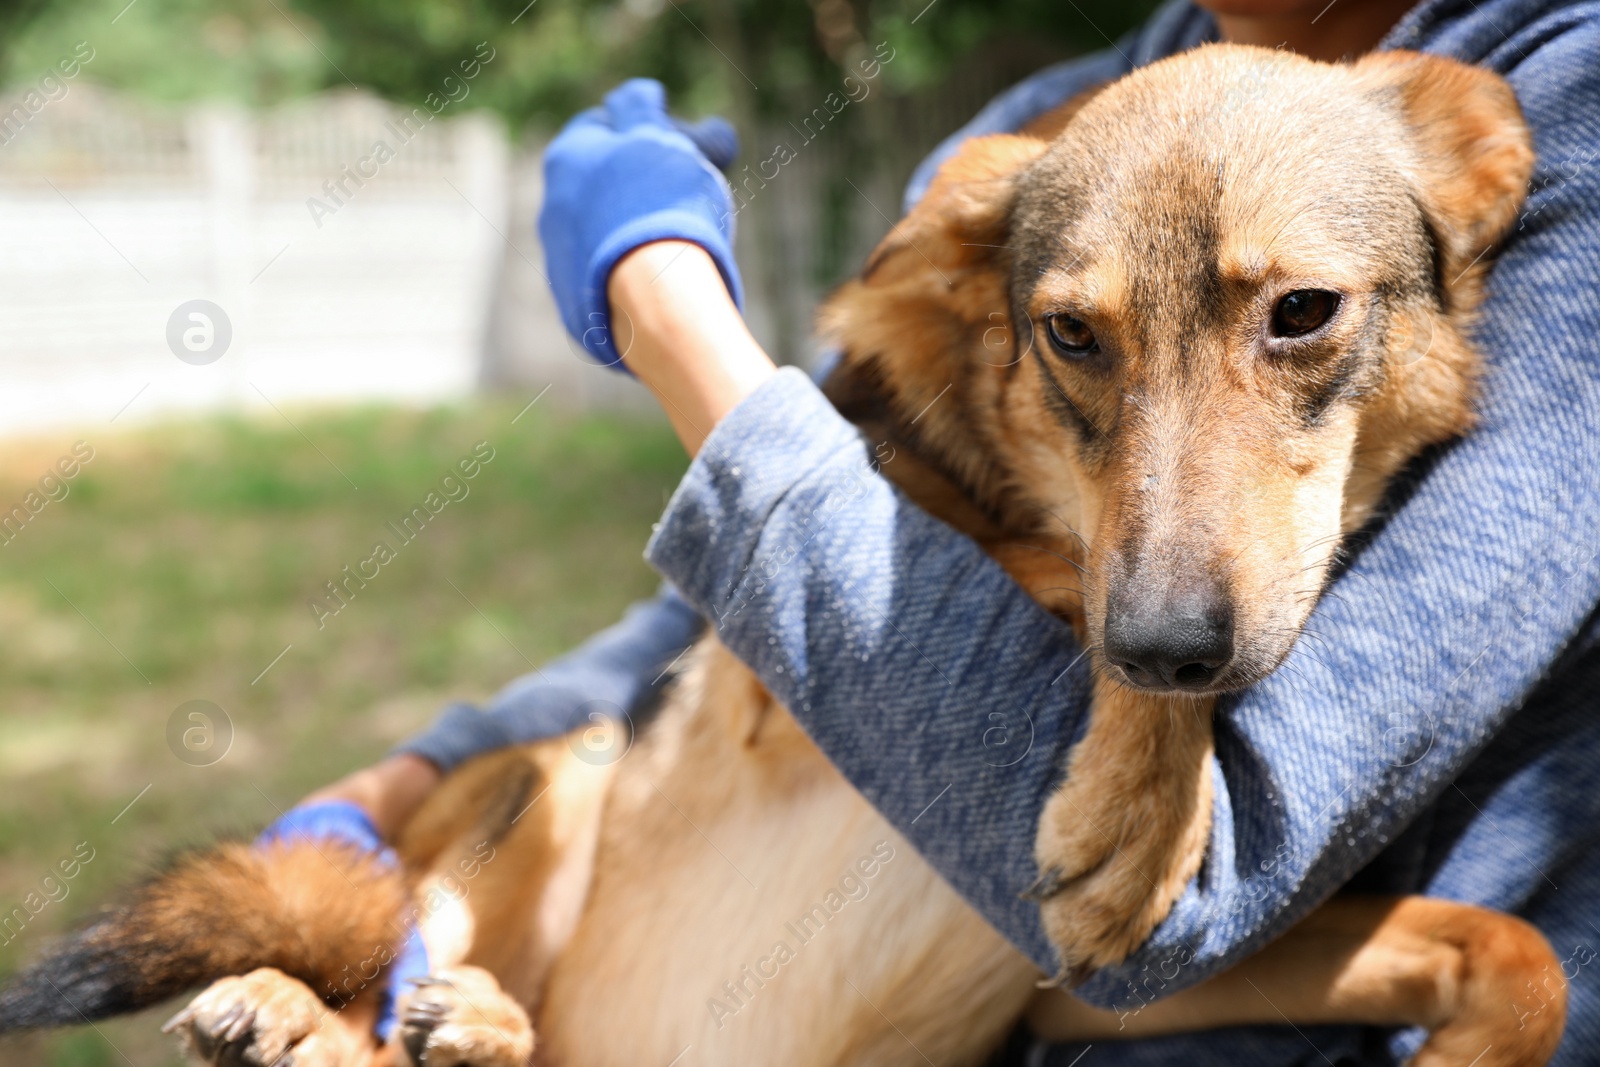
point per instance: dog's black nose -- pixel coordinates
(1181, 642)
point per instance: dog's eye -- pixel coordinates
(1070, 335)
(1302, 311)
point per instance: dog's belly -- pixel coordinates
(749, 907)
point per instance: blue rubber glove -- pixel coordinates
(622, 175)
(347, 823)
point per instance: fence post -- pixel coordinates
(483, 163)
(222, 138)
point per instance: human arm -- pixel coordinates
(684, 339)
(609, 676)
(632, 134)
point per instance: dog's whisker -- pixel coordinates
(1067, 526)
(1065, 559)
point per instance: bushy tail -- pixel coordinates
(314, 912)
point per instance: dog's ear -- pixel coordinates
(1473, 150)
(963, 217)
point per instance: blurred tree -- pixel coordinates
(166, 50)
(551, 57)
(555, 56)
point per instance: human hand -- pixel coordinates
(387, 792)
(620, 176)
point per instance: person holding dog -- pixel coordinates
(1446, 743)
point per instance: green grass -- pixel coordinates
(182, 562)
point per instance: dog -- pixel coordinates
(1181, 322)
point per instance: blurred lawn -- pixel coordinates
(181, 564)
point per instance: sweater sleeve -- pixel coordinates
(609, 675)
(912, 659)
(949, 699)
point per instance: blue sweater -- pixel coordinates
(1438, 736)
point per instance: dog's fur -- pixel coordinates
(633, 912)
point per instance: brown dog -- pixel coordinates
(1208, 372)
(1181, 343)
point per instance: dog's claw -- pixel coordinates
(429, 1014)
(241, 1026)
(420, 1019)
(415, 1040)
(225, 1025)
(182, 1019)
(1050, 882)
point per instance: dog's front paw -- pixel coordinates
(264, 1019)
(461, 1017)
(1122, 836)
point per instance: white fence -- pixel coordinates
(341, 276)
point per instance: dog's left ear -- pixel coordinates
(1473, 150)
(964, 215)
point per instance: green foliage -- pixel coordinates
(171, 50)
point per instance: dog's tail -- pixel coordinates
(327, 914)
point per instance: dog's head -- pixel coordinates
(1202, 327)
